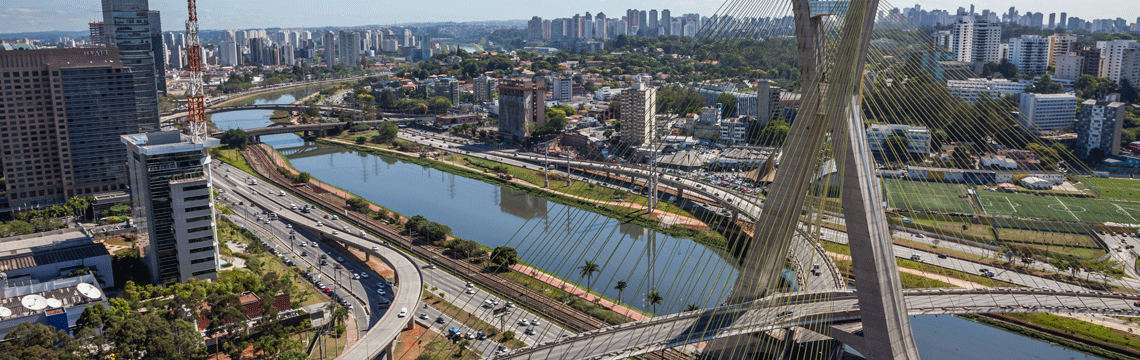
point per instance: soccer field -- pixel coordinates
(1121, 189)
(927, 196)
(1059, 208)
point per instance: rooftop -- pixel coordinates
(37, 298)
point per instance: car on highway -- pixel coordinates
(942, 256)
(784, 313)
(529, 331)
(440, 320)
(323, 256)
(423, 316)
(338, 266)
(470, 290)
(335, 232)
(381, 292)
(534, 322)
(524, 322)
(375, 248)
(403, 312)
(341, 259)
(319, 224)
(355, 276)
(364, 275)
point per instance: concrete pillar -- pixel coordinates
(680, 193)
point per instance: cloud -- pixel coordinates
(23, 10)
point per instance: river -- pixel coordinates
(559, 239)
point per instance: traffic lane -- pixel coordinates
(388, 327)
(456, 291)
(452, 286)
(342, 283)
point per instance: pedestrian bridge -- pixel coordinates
(800, 309)
(285, 128)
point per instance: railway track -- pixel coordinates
(533, 299)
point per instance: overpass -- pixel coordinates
(256, 133)
(264, 89)
(407, 275)
(801, 309)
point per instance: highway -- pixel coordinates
(452, 143)
(234, 183)
(798, 309)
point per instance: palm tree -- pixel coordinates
(692, 307)
(620, 287)
(588, 271)
(654, 298)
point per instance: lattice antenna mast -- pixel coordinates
(195, 95)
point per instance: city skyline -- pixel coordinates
(54, 15)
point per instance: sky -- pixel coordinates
(73, 15)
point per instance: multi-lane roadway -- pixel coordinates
(363, 293)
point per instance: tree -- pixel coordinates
(729, 102)
(508, 336)
(620, 287)
(78, 205)
(118, 210)
(236, 139)
(588, 270)
(1092, 87)
(1127, 92)
(692, 307)
(1045, 85)
(654, 298)
(386, 132)
(303, 178)
(962, 157)
(464, 248)
(357, 204)
(504, 257)
(1007, 69)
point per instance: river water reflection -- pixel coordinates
(559, 239)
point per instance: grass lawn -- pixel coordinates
(232, 157)
(1119, 189)
(1059, 208)
(1080, 328)
(927, 196)
(975, 232)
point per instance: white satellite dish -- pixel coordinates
(5, 312)
(88, 290)
(54, 303)
(34, 302)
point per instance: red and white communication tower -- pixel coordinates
(195, 95)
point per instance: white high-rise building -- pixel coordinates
(563, 89)
(1060, 45)
(976, 40)
(1030, 53)
(638, 111)
(1041, 113)
(228, 53)
(1114, 56)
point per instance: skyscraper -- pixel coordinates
(642, 23)
(976, 40)
(1052, 20)
(1030, 53)
(1099, 126)
(349, 48)
(600, 27)
(522, 108)
(1064, 21)
(70, 149)
(652, 26)
(638, 112)
(126, 25)
(666, 22)
(485, 88)
(534, 29)
(173, 212)
(1060, 44)
(1117, 57)
(328, 41)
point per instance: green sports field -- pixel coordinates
(1059, 208)
(927, 196)
(1120, 189)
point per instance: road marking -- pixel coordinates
(1067, 209)
(1125, 211)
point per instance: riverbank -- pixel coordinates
(628, 213)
